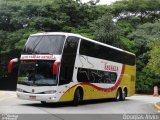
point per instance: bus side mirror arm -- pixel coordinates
(55, 68)
(11, 63)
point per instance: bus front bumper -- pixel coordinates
(37, 97)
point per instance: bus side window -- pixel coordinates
(68, 60)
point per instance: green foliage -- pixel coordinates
(154, 61)
(22, 34)
(3, 41)
(105, 30)
(146, 10)
(147, 45)
(144, 34)
(21, 18)
(127, 44)
(146, 79)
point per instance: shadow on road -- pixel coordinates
(70, 104)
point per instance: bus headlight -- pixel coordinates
(50, 91)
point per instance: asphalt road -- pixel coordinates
(12, 107)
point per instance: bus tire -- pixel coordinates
(77, 97)
(43, 102)
(124, 95)
(125, 92)
(119, 95)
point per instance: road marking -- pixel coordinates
(1, 99)
(1, 93)
(157, 107)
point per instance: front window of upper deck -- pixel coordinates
(44, 44)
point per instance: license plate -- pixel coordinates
(32, 97)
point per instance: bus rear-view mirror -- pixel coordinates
(11, 65)
(55, 67)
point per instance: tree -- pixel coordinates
(145, 36)
(154, 61)
(93, 2)
(105, 30)
(3, 41)
(146, 10)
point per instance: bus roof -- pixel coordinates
(77, 35)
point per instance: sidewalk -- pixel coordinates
(156, 105)
(3, 92)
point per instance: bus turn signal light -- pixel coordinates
(55, 68)
(10, 65)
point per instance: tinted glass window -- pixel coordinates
(68, 60)
(96, 76)
(36, 73)
(45, 44)
(99, 51)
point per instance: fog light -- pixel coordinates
(53, 98)
(50, 91)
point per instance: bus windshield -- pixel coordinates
(44, 44)
(36, 73)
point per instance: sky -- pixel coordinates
(108, 2)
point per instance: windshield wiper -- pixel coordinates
(42, 84)
(26, 83)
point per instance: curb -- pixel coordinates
(143, 95)
(157, 106)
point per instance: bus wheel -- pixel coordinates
(119, 95)
(124, 94)
(43, 102)
(77, 97)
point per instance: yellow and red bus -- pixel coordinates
(60, 67)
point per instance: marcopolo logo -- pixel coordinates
(141, 117)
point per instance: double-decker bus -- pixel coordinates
(59, 67)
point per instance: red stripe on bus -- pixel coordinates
(103, 89)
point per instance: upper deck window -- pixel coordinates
(103, 52)
(44, 44)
